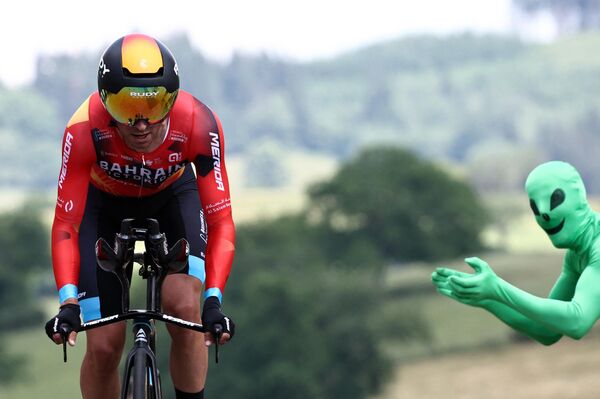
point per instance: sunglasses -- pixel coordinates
(132, 104)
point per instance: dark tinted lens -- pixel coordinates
(131, 104)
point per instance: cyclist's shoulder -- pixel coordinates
(91, 113)
(191, 115)
(188, 105)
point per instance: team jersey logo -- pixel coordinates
(139, 173)
(216, 154)
(65, 159)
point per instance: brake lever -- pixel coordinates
(64, 334)
(218, 333)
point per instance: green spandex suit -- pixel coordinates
(558, 200)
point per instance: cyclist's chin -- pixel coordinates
(141, 143)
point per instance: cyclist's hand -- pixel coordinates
(65, 323)
(211, 317)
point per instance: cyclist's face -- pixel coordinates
(143, 136)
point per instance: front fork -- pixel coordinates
(143, 333)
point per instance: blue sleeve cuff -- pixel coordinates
(67, 291)
(214, 292)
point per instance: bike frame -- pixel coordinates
(156, 262)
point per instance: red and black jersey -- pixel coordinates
(94, 152)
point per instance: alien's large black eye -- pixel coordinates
(557, 198)
(534, 207)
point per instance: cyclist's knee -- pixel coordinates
(181, 297)
(105, 345)
(185, 308)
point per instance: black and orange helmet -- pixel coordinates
(138, 79)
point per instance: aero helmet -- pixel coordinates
(138, 79)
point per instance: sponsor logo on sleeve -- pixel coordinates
(216, 155)
(218, 206)
(65, 159)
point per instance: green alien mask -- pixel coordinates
(558, 199)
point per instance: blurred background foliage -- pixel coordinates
(352, 177)
(487, 104)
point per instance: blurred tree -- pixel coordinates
(576, 142)
(30, 134)
(408, 208)
(199, 75)
(66, 81)
(265, 166)
(25, 252)
(496, 166)
(308, 331)
(569, 15)
(307, 325)
(441, 97)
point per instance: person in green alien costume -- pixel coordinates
(558, 199)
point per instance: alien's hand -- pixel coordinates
(440, 278)
(482, 285)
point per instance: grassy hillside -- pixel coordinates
(567, 370)
(463, 342)
(46, 375)
(454, 329)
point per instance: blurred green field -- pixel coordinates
(566, 370)
(467, 347)
(467, 352)
(45, 376)
(471, 355)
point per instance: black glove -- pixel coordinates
(68, 318)
(212, 315)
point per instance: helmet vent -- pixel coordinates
(156, 74)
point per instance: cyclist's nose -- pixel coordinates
(141, 125)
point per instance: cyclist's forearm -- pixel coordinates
(65, 258)
(219, 254)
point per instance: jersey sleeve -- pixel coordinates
(77, 158)
(213, 186)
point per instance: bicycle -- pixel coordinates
(140, 372)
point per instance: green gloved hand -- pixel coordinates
(469, 288)
(440, 279)
(475, 287)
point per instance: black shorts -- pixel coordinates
(179, 213)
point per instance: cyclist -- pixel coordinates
(127, 152)
(558, 200)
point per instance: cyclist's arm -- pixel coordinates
(213, 187)
(77, 158)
